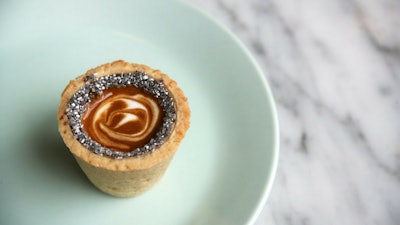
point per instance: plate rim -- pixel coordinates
(268, 183)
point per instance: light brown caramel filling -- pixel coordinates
(122, 118)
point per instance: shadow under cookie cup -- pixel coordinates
(127, 176)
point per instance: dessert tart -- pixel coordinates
(123, 123)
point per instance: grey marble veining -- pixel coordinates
(334, 69)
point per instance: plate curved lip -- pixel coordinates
(268, 183)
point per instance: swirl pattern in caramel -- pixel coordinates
(122, 118)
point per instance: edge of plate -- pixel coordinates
(268, 94)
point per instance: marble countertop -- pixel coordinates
(334, 69)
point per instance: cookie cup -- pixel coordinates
(129, 176)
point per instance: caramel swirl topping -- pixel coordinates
(122, 118)
(121, 115)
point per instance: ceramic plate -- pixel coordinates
(222, 172)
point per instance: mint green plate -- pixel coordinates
(224, 169)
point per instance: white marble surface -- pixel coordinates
(334, 68)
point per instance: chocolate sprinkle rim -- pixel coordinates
(95, 86)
